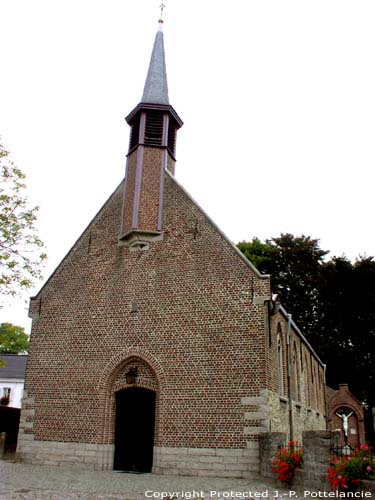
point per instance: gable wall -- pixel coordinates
(194, 322)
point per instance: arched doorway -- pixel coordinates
(134, 429)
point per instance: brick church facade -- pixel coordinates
(155, 345)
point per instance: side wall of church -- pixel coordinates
(189, 309)
(303, 391)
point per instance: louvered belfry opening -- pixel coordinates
(172, 133)
(160, 130)
(154, 128)
(134, 133)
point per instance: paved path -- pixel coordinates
(35, 482)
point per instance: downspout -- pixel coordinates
(326, 409)
(289, 374)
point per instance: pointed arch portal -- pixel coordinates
(134, 430)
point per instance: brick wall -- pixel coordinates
(193, 315)
(185, 310)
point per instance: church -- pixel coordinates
(156, 346)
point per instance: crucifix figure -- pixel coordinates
(344, 419)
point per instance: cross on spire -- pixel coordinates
(162, 7)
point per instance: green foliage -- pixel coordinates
(260, 254)
(21, 250)
(13, 339)
(347, 324)
(345, 474)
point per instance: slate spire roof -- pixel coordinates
(156, 86)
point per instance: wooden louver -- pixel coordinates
(134, 134)
(154, 129)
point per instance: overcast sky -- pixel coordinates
(277, 96)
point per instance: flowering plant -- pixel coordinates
(287, 460)
(345, 474)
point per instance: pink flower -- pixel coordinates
(368, 468)
(365, 459)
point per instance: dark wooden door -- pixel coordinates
(134, 431)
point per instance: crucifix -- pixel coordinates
(344, 417)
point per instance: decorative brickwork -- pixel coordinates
(342, 400)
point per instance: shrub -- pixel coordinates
(345, 474)
(287, 460)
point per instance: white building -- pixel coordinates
(12, 378)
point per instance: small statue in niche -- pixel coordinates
(345, 418)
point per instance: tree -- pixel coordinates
(346, 334)
(260, 254)
(13, 339)
(294, 265)
(21, 255)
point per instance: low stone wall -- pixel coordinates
(269, 443)
(217, 462)
(317, 453)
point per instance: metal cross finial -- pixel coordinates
(162, 7)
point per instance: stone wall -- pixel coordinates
(317, 453)
(217, 462)
(78, 455)
(269, 444)
(276, 416)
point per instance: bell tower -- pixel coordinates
(154, 124)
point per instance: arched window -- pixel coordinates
(306, 382)
(280, 364)
(295, 374)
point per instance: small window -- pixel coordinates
(6, 392)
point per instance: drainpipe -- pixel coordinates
(326, 409)
(289, 374)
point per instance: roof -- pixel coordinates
(156, 86)
(15, 366)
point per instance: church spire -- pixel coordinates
(156, 86)
(154, 124)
